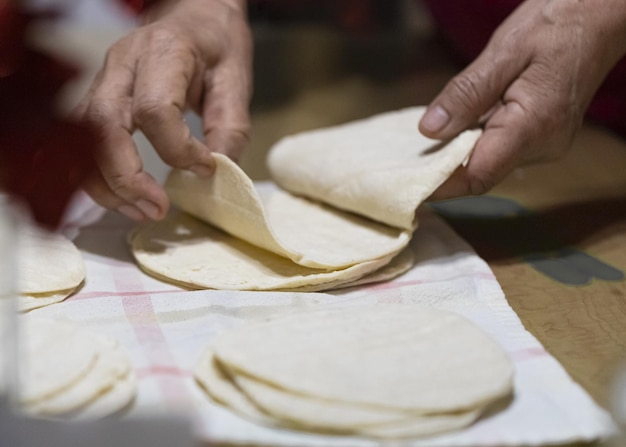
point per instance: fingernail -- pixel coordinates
(148, 208)
(132, 212)
(435, 119)
(202, 170)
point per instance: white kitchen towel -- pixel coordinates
(165, 329)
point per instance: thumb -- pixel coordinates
(471, 94)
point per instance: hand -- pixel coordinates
(189, 54)
(529, 88)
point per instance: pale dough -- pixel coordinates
(26, 302)
(319, 414)
(310, 234)
(191, 253)
(111, 367)
(67, 371)
(311, 414)
(53, 356)
(403, 357)
(112, 401)
(47, 262)
(400, 264)
(279, 241)
(380, 167)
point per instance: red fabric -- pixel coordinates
(468, 24)
(43, 157)
(138, 6)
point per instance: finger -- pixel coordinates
(100, 192)
(162, 81)
(118, 159)
(498, 151)
(472, 93)
(225, 115)
(123, 171)
(95, 185)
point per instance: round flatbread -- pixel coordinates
(111, 368)
(54, 355)
(188, 252)
(405, 357)
(47, 262)
(112, 401)
(308, 233)
(70, 372)
(380, 167)
(400, 264)
(26, 303)
(317, 415)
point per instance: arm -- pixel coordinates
(188, 54)
(529, 88)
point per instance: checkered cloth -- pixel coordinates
(165, 330)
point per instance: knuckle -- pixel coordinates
(463, 89)
(122, 186)
(162, 36)
(150, 110)
(117, 56)
(239, 141)
(479, 183)
(118, 183)
(100, 112)
(182, 157)
(166, 40)
(240, 135)
(230, 141)
(115, 51)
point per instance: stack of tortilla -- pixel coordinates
(66, 372)
(343, 212)
(392, 371)
(50, 267)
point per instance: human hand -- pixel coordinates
(529, 88)
(189, 54)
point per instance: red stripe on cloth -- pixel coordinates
(140, 314)
(111, 293)
(529, 353)
(163, 370)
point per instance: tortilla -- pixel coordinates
(399, 357)
(280, 241)
(54, 356)
(401, 263)
(183, 250)
(71, 373)
(29, 302)
(111, 367)
(47, 262)
(308, 233)
(323, 416)
(112, 401)
(380, 167)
